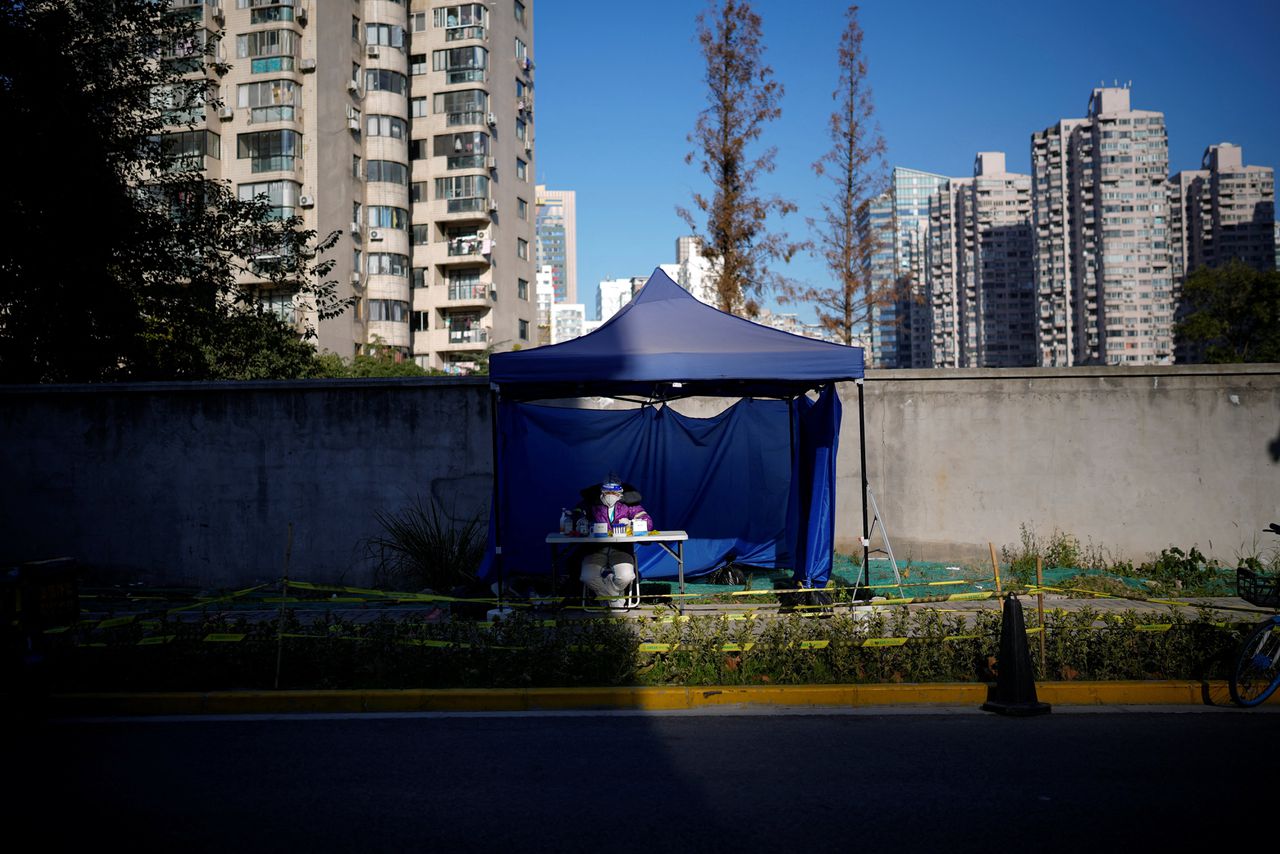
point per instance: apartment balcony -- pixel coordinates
(458, 340)
(469, 294)
(461, 210)
(460, 251)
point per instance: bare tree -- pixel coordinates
(742, 98)
(845, 237)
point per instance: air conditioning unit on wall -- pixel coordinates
(374, 234)
(306, 201)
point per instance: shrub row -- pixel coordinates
(525, 652)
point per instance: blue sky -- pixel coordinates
(619, 87)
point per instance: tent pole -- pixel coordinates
(497, 499)
(791, 436)
(864, 577)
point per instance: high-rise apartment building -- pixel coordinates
(999, 248)
(568, 321)
(1230, 211)
(408, 126)
(1221, 212)
(556, 230)
(978, 292)
(946, 291)
(1051, 218)
(1105, 204)
(613, 294)
(693, 270)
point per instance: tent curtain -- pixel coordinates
(737, 482)
(811, 527)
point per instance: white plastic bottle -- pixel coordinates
(566, 522)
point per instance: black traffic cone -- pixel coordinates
(1015, 691)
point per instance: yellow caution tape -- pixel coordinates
(206, 602)
(117, 621)
(884, 642)
(217, 637)
(156, 640)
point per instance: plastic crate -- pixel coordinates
(1261, 590)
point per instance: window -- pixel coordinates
(389, 309)
(522, 248)
(524, 330)
(355, 166)
(418, 22)
(420, 235)
(522, 209)
(522, 170)
(182, 102)
(420, 321)
(269, 150)
(466, 284)
(279, 303)
(267, 43)
(382, 80)
(522, 289)
(522, 89)
(520, 130)
(387, 35)
(385, 216)
(282, 196)
(356, 256)
(450, 144)
(519, 11)
(418, 63)
(418, 192)
(355, 28)
(388, 172)
(467, 107)
(392, 126)
(418, 107)
(388, 264)
(269, 100)
(271, 14)
(419, 277)
(419, 149)
(522, 50)
(187, 149)
(465, 21)
(464, 192)
(461, 64)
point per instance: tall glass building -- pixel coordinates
(901, 219)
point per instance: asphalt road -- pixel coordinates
(651, 783)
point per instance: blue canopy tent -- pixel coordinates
(754, 484)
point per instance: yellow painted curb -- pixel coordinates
(632, 698)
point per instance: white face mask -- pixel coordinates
(608, 499)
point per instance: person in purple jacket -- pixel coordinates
(609, 570)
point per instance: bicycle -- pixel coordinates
(1256, 673)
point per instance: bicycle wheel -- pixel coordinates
(1257, 670)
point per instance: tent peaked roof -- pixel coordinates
(665, 336)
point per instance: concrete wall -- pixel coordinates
(1135, 459)
(197, 484)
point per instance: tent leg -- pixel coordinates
(497, 499)
(864, 577)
